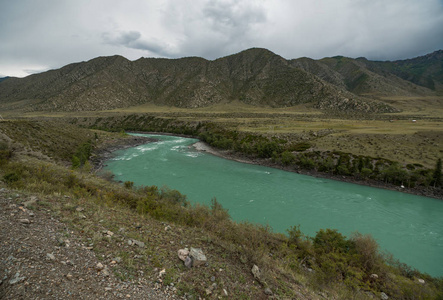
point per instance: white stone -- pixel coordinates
(255, 271)
(183, 253)
(50, 256)
(99, 266)
(105, 272)
(198, 258)
(188, 262)
(16, 279)
(138, 243)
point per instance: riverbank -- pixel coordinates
(419, 191)
(105, 152)
(107, 148)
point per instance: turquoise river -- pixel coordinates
(410, 227)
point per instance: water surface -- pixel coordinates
(408, 226)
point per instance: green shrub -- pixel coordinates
(287, 158)
(11, 177)
(330, 240)
(5, 153)
(173, 196)
(365, 172)
(343, 170)
(300, 147)
(81, 155)
(394, 174)
(129, 184)
(295, 235)
(300, 241)
(71, 180)
(266, 149)
(305, 162)
(3, 146)
(437, 176)
(326, 165)
(367, 248)
(218, 212)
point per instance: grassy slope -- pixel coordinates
(394, 137)
(232, 249)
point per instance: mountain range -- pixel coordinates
(255, 76)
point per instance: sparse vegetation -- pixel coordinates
(328, 262)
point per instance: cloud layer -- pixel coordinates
(39, 35)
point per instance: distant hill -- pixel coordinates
(4, 78)
(255, 76)
(418, 76)
(426, 71)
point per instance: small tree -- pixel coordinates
(129, 184)
(437, 173)
(365, 172)
(218, 212)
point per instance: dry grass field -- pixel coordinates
(414, 135)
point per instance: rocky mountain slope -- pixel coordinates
(255, 76)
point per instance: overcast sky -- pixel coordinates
(37, 35)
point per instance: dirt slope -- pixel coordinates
(42, 258)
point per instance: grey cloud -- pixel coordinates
(376, 29)
(55, 33)
(216, 28)
(133, 40)
(124, 38)
(232, 16)
(35, 71)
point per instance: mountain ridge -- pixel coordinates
(254, 76)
